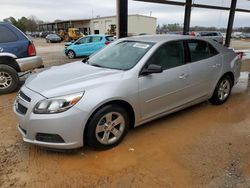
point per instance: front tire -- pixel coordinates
(71, 54)
(107, 127)
(222, 91)
(8, 79)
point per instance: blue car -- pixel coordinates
(87, 45)
(17, 56)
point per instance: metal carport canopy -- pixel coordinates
(122, 14)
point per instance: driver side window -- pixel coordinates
(83, 40)
(169, 55)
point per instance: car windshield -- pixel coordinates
(53, 35)
(122, 56)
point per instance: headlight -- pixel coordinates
(58, 104)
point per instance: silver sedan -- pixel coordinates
(126, 84)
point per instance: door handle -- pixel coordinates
(183, 76)
(216, 65)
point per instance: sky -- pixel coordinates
(50, 10)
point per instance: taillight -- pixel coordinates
(31, 49)
(192, 33)
(107, 43)
(240, 54)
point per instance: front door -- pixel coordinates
(82, 46)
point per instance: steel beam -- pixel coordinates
(187, 17)
(230, 22)
(164, 2)
(122, 18)
(210, 7)
(176, 3)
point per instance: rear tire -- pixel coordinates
(9, 79)
(222, 91)
(107, 127)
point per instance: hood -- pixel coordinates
(68, 43)
(70, 78)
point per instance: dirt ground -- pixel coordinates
(202, 146)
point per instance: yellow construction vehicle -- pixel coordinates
(71, 34)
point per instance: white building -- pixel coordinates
(136, 24)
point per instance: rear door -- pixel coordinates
(206, 64)
(96, 43)
(170, 89)
(11, 42)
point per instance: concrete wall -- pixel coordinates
(141, 24)
(136, 24)
(102, 24)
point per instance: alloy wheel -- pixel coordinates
(224, 90)
(110, 128)
(5, 80)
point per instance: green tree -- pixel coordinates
(24, 24)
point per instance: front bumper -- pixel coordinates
(69, 125)
(30, 63)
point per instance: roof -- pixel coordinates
(130, 15)
(89, 19)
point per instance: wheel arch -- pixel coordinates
(231, 75)
(10, 61)
(127, 106)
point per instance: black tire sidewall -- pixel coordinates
(215, 98)
(15, 79)
(91, 127)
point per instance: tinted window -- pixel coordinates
(209, 34)
(110, 38)
(6, 35)
(95, 39)
(169, 55)
(200, 50)
(83, 40)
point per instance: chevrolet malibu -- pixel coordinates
(130, 82)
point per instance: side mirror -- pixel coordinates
(151, 69)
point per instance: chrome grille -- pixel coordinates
(21, 109)
(25, 97)
(21, 102)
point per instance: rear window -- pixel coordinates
(110, 38)
(200, 50)
(95, 39)
(6, 35)
(204, 34)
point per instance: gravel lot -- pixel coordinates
(202, 146)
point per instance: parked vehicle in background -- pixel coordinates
(86, 46)
(44, 34)
(52, 38)
(214, 35)
(224, 35)
(236, 35)
(130, 82)
(35, 34)
(17, 54)
(247, 35)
